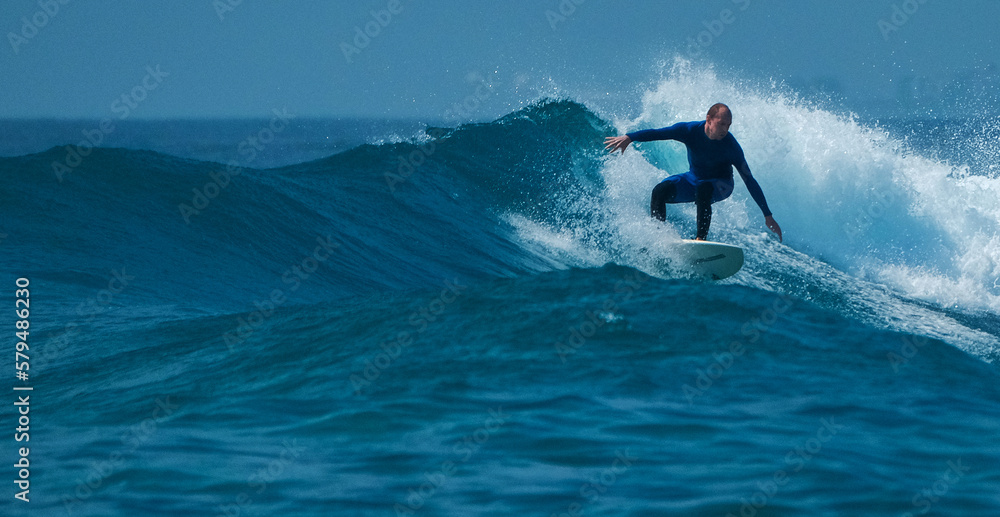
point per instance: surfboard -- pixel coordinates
(713, 260)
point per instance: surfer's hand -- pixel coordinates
(614, 143)
(773, 226)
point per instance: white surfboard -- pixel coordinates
(713, 260)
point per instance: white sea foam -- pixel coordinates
(887, 232)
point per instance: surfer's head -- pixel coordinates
(717, 121)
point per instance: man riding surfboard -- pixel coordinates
(712, 153)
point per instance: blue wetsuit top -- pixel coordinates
(709, 159)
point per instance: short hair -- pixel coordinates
(716, 108)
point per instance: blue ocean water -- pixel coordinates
(459, 321)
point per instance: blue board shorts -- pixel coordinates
(687, 185)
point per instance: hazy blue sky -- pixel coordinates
(247, 59)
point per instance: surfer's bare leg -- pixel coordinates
(704, 204)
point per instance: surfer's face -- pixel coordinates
(717, 127)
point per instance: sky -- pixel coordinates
(417, 59)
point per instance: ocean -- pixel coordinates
(293, 316)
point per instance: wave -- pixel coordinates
(873, 228)
(399, 215)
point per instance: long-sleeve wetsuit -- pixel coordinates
(708, 159)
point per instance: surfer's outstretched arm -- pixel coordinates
(614, 143)
(674, 132)
(757, 194)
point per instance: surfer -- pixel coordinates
(712, 154)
